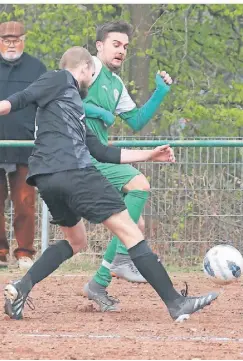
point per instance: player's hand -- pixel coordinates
(163, 81)
(166, 77)
(108, 118)
(5, 107)
(163, 153)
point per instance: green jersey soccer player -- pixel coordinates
(108, 96)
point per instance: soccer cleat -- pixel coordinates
(15, 300)
(123, 267)
(105, 302)
(184, 307)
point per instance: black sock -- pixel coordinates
(153, 271)
(48, 262)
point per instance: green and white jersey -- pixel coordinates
(109, 92)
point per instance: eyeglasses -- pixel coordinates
(7, 42)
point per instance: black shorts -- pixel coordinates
(79, 193)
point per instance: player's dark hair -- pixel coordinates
(119, 26)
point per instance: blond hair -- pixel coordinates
(75, 56)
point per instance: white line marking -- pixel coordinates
(152, 338)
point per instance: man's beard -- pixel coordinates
(12, 57)
(83, 90)
(114, 69)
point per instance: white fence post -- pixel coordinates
(44, 227)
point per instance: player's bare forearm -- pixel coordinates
(111, 154)
(131, 156)
(159, 154)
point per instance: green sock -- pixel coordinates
(135, 202)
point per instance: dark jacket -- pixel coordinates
(62, 140)
(20, 125)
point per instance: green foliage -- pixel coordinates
(51, 29)
(199, 45)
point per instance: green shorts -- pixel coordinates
(117, 174)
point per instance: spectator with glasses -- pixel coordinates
(17, 71)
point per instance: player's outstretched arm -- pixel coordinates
(111, 154)
(40, 92)
(159, 154)
(101, 152)
(137, 118)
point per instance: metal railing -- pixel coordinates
(194, 203)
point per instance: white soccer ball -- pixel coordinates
(223, 264)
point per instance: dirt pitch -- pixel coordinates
(64, 325)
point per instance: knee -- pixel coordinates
(139, 182)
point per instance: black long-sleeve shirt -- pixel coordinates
(16, 76)
(62, 140)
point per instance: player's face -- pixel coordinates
(113, 50)
(11, 48)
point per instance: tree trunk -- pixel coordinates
(7, 8)
(142, 20)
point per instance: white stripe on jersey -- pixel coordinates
(125, 104)
(98, 67)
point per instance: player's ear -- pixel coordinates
(99, 45)
(83, 67)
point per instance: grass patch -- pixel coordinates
(88, 263)
(80, 263)
(183, 269)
